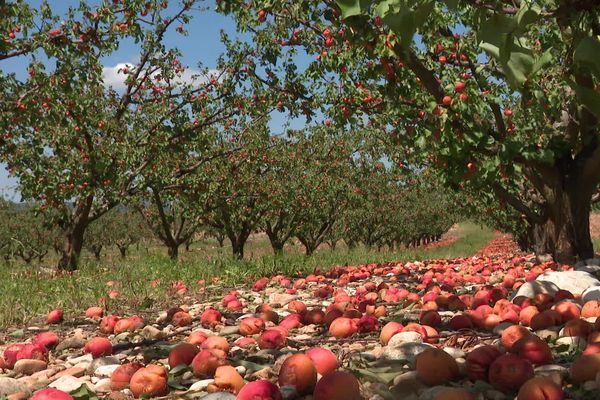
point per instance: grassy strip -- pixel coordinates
(28, 293)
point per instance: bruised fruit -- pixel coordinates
(121, 377)
(197, 337)
(259, 390)
(181, 318)
(271, 339)
(337, 385)
(512, 334)
(251, 326)
(534, 349)
(435, 367)
(216, 342)
(183, 353)
(226, 379)
(108, 323)
(298, 371)
(508, 372)
(206, 362)
(478, 361)
(149, 381)
(343, 327)
(210, 318)
(540, 388)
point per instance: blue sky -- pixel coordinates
(202, 44)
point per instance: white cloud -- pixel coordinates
(115, 76)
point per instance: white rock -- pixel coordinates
(281, 298)
(454, 352)
(106, 370)
(9, 386)
(591, 293)
(66, 383)
(531, 288)
(574, 281)
(103, 385)
(87, 359)
(201, 385)
(405, 351)
(549, 369)
(405, 337)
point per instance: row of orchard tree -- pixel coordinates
(499, 98)
(313, 188)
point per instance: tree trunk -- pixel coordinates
(123, 251)
(173, 251)
(73, 240)
(276, 244)
(237, 247)
(97, 253)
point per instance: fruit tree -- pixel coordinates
(502, 97)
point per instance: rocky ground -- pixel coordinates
(493, 326)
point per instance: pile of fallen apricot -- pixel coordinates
(366, 305)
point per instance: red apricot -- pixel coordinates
(98, 347)
(259, 390)
(337, 385)
(298, 371)
(121, 377)
(325, 360)
(183, 353)
(508, 372)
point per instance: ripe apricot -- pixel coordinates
(343, 327)
(478, 361)
(121, 377)
(206, 362)
(540, 388)
(149, 381)
(325, 360)
(585, 368)
(251, 326)
(577, 327)
(183, 353)
(435, 367)
(454, 394)
(511, 334)
(591, 309)
(508, 372)
(216, 342)
(259, 390)
(98, 347)
(298, 371)
(181, 318)
(51, 394)
(271, 339)
(534, 349)
(226, 379)
(337, 385)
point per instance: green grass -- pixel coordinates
(28, 294)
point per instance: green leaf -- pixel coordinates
(351, 8)
(179, 370)
(175, 384)
(19, 333)
(589, 98)
(402, 23)
(451, 4)
(586, 54)
(527, 14)
(83, 393)
(541, 62)
(422, 13)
